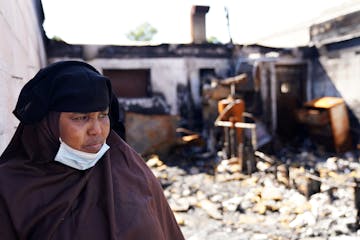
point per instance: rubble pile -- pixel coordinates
(213, 200)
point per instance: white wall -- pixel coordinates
(167, 73)
(21, 56)
(344, 72)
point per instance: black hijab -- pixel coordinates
(68, 86)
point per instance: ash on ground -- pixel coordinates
(213, 200)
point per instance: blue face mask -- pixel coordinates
(78, 159)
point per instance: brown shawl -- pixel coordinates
(40, 199)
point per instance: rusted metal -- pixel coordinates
(149, 134)
(315, 117)
(327, 122)
(235, 145)
(189, 137)
(231, 117)
(232, 110)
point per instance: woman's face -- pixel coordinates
(84, 131)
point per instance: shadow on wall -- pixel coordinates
(322, 85)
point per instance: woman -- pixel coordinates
(67, 174)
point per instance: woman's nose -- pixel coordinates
(95, 127)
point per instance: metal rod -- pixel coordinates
(236, 124)
(357, 201)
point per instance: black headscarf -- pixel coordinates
(67, 86)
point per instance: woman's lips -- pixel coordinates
(93, 147)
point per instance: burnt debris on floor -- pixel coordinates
(233, 179)
(284, 199)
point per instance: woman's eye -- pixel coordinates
(104, 115)
(80, 118)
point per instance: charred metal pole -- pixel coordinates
(233, 140)
(228, 24)
(357, 201)
(227, 142)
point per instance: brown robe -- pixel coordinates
(41, 199)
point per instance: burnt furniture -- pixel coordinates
(326, 120)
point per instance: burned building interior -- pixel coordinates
(245, 107)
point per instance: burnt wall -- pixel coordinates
(335, 72)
